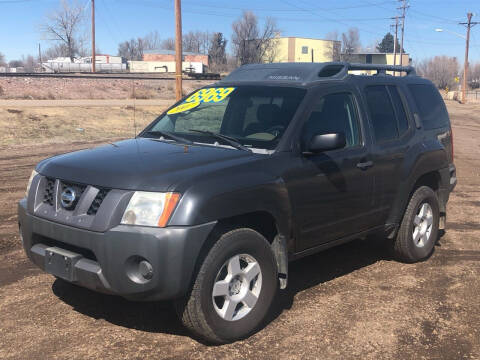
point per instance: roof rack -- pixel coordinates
(307, 72)
(381, 69)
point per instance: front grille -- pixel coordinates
(49, 192)
(97, 201)
(78, 188)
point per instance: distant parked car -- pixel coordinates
(211, 201)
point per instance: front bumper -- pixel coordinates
(108, 261)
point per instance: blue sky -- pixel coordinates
(119, 20)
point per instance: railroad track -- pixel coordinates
(119, 76)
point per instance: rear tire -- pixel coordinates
(233, 289)
(418, 231)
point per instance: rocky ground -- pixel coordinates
(68, 88)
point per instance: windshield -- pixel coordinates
(252, 116)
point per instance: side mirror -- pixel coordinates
(325, 142)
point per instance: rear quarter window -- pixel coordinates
(430, 105)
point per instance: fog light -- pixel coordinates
(146, 269)
(139, 269)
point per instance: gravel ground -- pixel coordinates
(350, 302)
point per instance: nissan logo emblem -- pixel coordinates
(67, 198)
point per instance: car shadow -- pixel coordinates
(160, 317)
(157, 317)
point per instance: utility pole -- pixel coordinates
(404, 7)
(178, 50)
(469, 25)
(395, 41)
(40, 56)
(93, 36)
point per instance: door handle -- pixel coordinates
(365, 165)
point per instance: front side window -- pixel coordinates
(335, 113)
(255, 116)
(382, 114)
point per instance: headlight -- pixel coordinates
(150, 208)
(34, 173)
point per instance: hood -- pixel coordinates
(141, 164)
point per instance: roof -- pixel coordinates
(169, 52)
(304, 73)
(305, 38)
(376, 53)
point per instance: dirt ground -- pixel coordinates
(350, 302)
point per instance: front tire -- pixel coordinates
(233, 290)
(418, 231)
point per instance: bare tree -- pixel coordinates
(131, 50)
(350, 43)
(197, 41)
(252, 45)
(332, 35)
(474, 76)
(58, 50)
(441, 70)
(64, 25)
(217, 54)
(168, 44)
(152, 41)
(333, 52)
(2, 60)
(29, 63)
(15, 63)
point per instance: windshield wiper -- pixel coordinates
(230, 141)
(171, 136)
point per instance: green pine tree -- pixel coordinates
(386, 45)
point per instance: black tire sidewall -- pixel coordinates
(425, 195)
(239, 242)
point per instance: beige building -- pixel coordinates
(297, 49)
(379, 58)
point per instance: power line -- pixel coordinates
(222, 6)
(326, 18)
(434, 16)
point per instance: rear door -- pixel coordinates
(391, 127)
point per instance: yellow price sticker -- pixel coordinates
(210, 95)
(183, 107)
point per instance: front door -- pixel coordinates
(332, 192)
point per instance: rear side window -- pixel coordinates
(430, 106)
(399, 109)
(381, 112)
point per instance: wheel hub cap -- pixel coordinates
(237, 287)
(422, 225)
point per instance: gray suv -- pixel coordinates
(208, 204)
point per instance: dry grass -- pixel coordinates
(67, 124)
